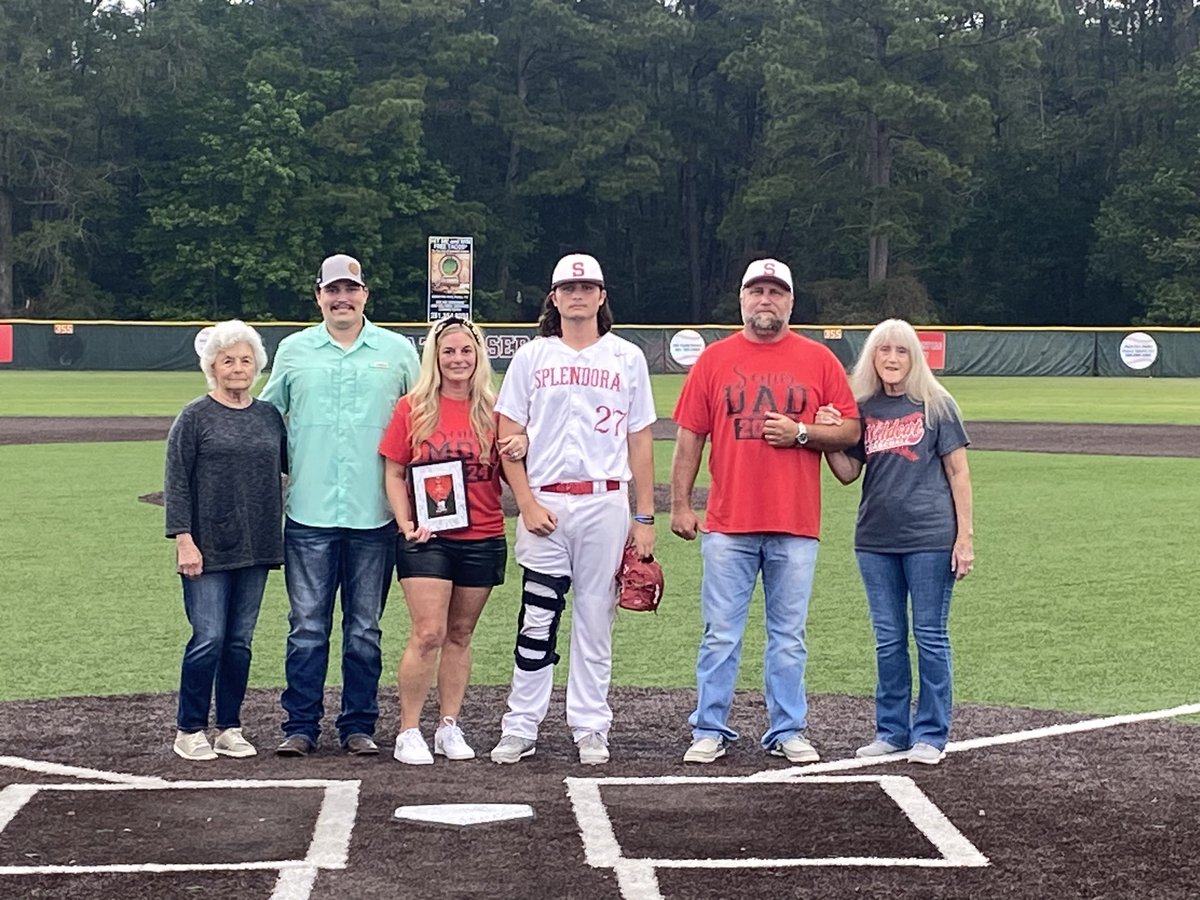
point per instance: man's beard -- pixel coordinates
(765, 323)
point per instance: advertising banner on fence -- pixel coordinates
(933, 343)
(451, 269)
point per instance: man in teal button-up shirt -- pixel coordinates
(337, 384)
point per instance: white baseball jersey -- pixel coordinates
(578, 407)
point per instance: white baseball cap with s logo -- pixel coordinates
(577, 267)
(768, 270)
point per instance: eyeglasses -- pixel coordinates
(455, 320)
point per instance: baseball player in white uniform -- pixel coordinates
(582, 395)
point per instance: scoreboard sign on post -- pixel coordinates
(451, 267)
(933, 343)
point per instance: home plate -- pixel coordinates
(460, 815)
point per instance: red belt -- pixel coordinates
(581, 487)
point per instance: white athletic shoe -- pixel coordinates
(705, 750)
(796, 749)
(448, 741)
(592, 749)
(513, 748)
(230, 742)
(193, 746)
(411, 748)
(925, 753)
(877, 748)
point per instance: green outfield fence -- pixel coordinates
(952, 350)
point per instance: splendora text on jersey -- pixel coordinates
(588, 377)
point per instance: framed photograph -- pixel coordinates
(440, 495)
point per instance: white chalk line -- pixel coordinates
(637, 879)
(996, 740)
(58, 769)
(157, 868)
(222, 784)
(328, 849)
(954, 846)
(294, 884)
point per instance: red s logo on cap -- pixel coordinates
(577, 269)
(769, 268)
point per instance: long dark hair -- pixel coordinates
(550, 321)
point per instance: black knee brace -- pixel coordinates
(547, 592)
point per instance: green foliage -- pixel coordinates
(1018, 161)
(850, 302)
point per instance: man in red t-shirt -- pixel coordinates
(756, 394)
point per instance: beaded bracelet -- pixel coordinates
(644, 520)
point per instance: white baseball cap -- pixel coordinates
(577, 267)
(340, 268)
(768, 270)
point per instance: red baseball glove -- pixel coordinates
(639, 582)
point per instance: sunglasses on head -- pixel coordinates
(455, 320)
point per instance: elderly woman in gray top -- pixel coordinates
(224, 508)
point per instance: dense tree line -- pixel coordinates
(998, 161)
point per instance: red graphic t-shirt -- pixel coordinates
(735, 382)
(453, 438)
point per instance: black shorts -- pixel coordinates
(478, 563)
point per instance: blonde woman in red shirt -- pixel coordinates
(446, 576)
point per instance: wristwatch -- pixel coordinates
(801, 435)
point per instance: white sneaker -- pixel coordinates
(593, 751)
(411, 748)
(926, 754)
(877, 748)
(194, 746)
(797, 749)
(513, 748)
(448, 741)
(230, 742)
(705, 750)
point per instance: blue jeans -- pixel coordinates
(731, 566)
(222, 608)
(891, 579)
(319, 561)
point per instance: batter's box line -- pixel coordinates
(995, 740)
(328, 849)
(637, 878)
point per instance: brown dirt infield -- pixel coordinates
(1111, 813)
(1108, 813)
(1040, 437)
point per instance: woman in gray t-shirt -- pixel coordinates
(224, 508)
(914, 537)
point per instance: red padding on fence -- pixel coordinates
(5, 343)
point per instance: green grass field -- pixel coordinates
(1083, 598)
(1174, 401)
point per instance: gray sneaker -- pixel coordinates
(230, 742)
(925, 753)
(193, 745)
(877, 748)
(592, 749)
(796, 749)
(513, 748)
(705, 750)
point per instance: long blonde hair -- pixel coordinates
(425, 396)
(921, 385)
